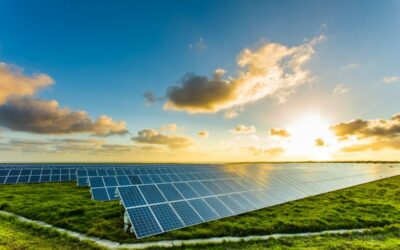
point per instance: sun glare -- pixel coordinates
(311, 137)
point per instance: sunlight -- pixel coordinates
(311, 137)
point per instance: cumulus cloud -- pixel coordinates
(199, 46)
(279, 132)
(368, 128)
(203, 133)
(46, 117)
(169, 127)
(272, 151)
(271, 70)
(152, 136)
(375, 135)
(14, 83)
(391, 79)
(341, 89)
(243, 129)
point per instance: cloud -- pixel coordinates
(150, 98)
(169, 127)
(369, 128)
(230, 114)
(72, 146)
(391, 79)
(351, 66)
(46, 117)
(14, 83)
(373, 146)
(319, 142)
(152, 136)
(341, 89)
(364, 135)
(271, 70)
(203, 133)
(279, 132)
(199, 46)
(273, 151)
(243, 129)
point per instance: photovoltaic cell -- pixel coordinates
(185, 190)
(143, 222)
(205, 211)
(186, 213)
(131, 196)
(220, 208)
(151, 194)
(170, 192)
(166, 217)
(100, 194)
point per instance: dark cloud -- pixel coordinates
(368, 128)
(152, 136)
(46, 117)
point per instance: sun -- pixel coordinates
(311, 138)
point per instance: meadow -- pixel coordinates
(375, 204)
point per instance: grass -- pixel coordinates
(15, 234)
(382, 238)
(375, 204)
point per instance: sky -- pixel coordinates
(199, 81)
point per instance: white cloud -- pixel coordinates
(391, 79)
(341, 88)
(271, 70)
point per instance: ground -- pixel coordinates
(375, 204)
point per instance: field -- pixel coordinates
(375, 204)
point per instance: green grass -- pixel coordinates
(375, 204)
(15, 234)
(382, 238)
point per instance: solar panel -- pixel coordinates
(166, 217)
(188, 215)
(143, 221)
(152, 194)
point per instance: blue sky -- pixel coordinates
(104, 55)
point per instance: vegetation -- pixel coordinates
(15, 234)
(381, 238)
(375, 204)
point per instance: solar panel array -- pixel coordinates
(36, 175)
(161, 198)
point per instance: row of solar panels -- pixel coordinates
(14, 176)
(158, 208)
(164, 201)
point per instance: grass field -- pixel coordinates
(64, 205)
(21, 235)
(382, 238)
